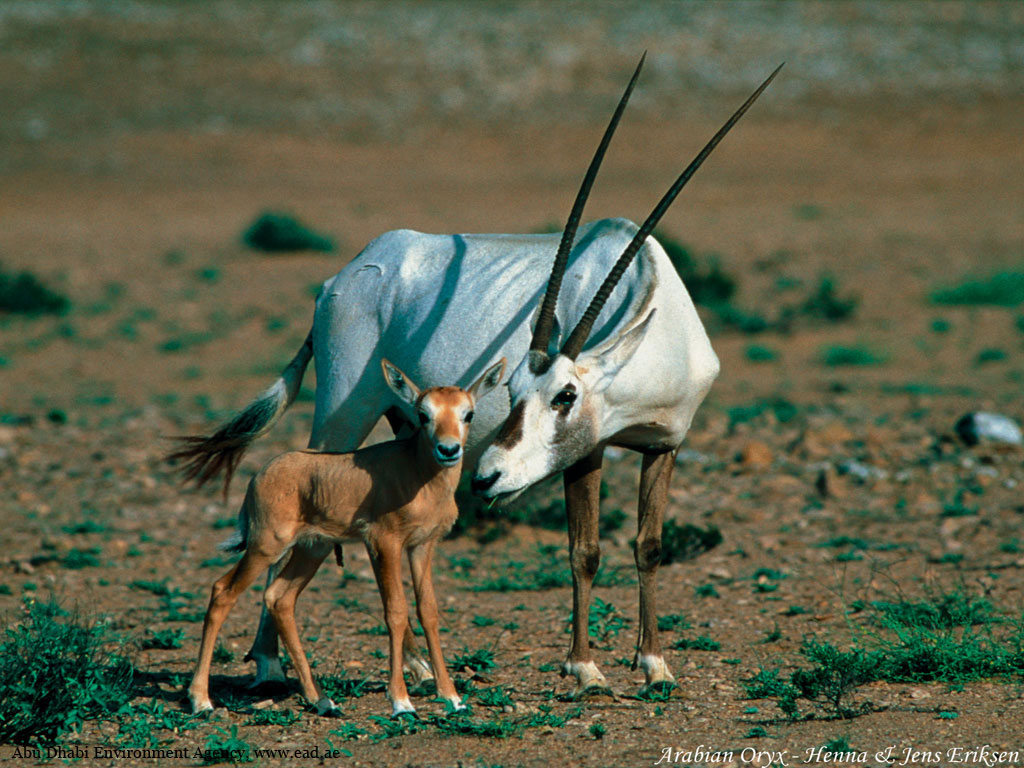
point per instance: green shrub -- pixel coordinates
(843, 356)
(56, 672)
(683, 542)
(24, 294)
(1003, 289)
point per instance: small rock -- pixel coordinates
(986, 427)
(861, 472)
(756, 454)
(265, 704)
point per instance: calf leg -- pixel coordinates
(420, 561)
(224, 595)
(280, 599)
(654, 482)
(387, 567)
(582, 503)
(264, 647)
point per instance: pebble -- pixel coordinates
(986, 427)
(756, 454)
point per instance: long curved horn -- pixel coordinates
(574, 344)
(546, 317)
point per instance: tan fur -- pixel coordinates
(396, 497)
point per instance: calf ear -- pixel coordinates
(607, 362)
(399, 383)
(488, 380)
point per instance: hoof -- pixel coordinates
(454, 706)
(419, 671)
(656, 674)
(269, 672)
(589, 680)
(200, 704)
(402, 708)
(327, 708)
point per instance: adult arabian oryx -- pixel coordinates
(631, 373)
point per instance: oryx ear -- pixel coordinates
(607, 362)
(488, 380)
(399, 383)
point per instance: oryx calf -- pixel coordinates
(395, 496)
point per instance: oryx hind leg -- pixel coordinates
(655, 476)
(582, 503)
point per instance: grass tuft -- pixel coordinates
(57, 671)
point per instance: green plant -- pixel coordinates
(1004, 289)
(758, 353)
(699, 643)
(707, 284)
(165, 639)
(24, 294)
(283, 717)
(825, 304)
(683, 542)
(76, 558)
(56, 671)
(226, 747)
(835, 356)
(481, 660)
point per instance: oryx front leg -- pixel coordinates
(654, 482)
(387, 567)
(582, 502)
(264, 649)
(280, 599)
(420, 563)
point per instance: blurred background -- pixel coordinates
(140, 139)
(178, 178)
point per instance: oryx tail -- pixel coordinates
(207, 457)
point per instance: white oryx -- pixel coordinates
(631, 373)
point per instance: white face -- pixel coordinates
(557, 413)
(553, 424)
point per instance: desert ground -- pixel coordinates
(863, 602)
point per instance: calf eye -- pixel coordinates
(469, 417)
(423, 418)
(564, 399)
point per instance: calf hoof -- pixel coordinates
(402, 708)
(200, 704)
(589, 680)
(419, 671)
(454, 705)
(327, 708)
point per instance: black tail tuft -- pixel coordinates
(206, 457)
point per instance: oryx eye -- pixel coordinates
(469, 417)
(423, 418)
(564, 399)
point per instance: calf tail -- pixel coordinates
(239, 540)
(207, 457)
